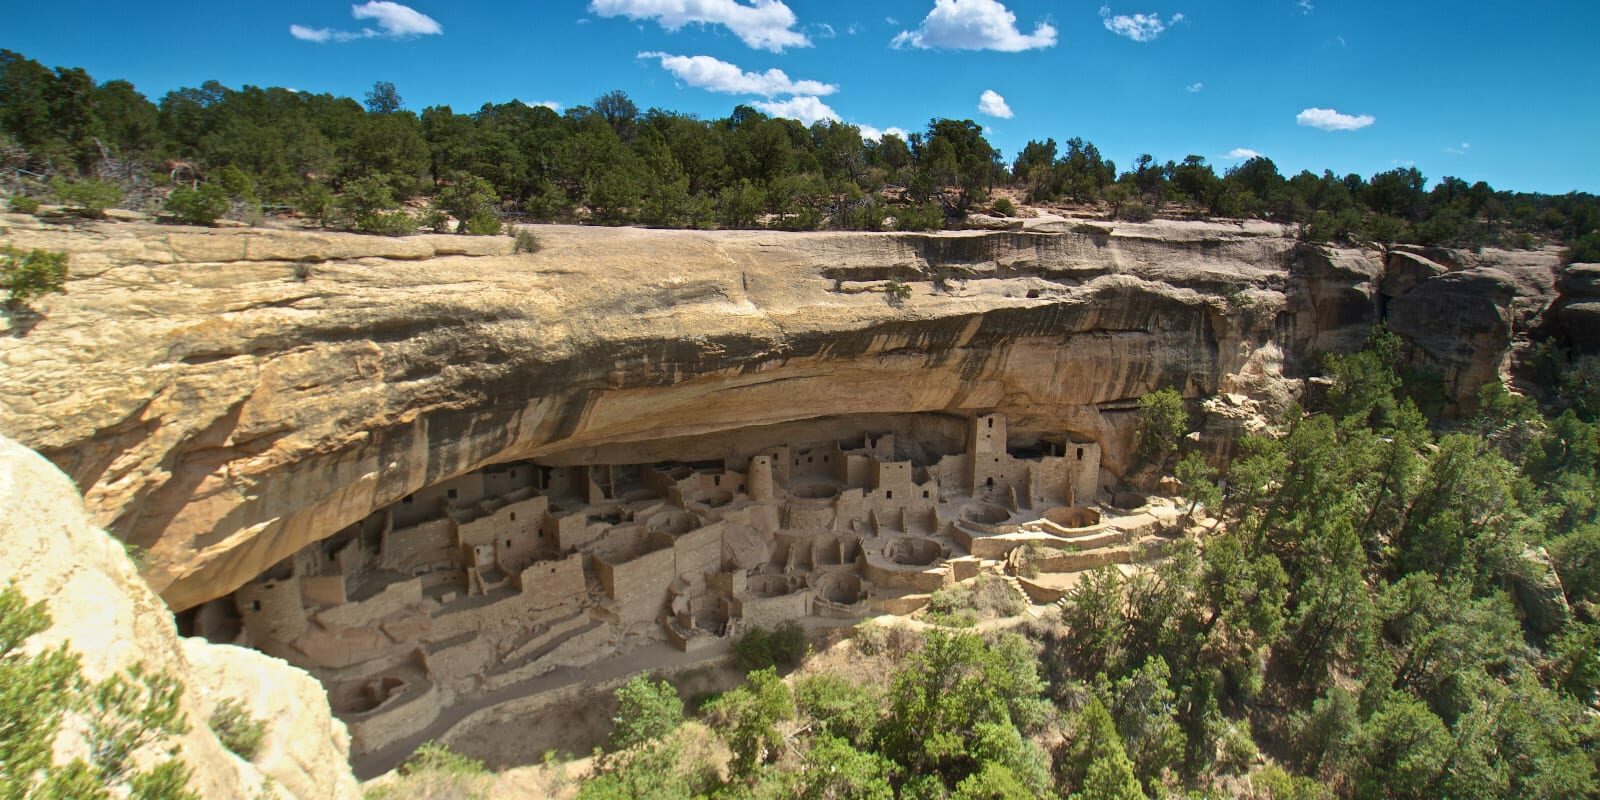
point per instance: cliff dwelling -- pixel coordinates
(499, 575)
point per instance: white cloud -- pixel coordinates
(394, 21)
(716, 75)
(550, 104)
(1194, 87)
(305, 34)
(1459, 151)
(975, 25)
(825, 30)
(806, 109)
(994, 105)
(874, 135)
(762, 25)
(1241, 153)
(1138, 27)
(1329, 120)
(1305, 6)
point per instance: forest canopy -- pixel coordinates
(613, 163)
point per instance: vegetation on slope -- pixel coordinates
(611, 163)
(1377, 619)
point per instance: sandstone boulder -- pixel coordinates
(103, 611)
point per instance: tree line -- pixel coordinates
(612, 163)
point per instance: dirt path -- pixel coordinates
(652, 657)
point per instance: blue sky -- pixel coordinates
(1498, 91)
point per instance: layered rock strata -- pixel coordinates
(225, 398)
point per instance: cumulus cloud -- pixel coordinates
(1241, 153)
(394, 21)
(994, 105)
(1328, 119)
(872, 134)
(716, 75)
(550, 104)
(762, 25)
(975, 25)
(1138, 27)
(1194, 87)
(806, 109)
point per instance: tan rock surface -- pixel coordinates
(223, 413)
(103, 611)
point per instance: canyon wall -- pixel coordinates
(225, 397)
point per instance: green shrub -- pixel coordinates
(316, 202)
(527, 242)
(23, 204)
(896, 292)
(483, 223)
(922, 217)
(1586, 250)
(368, 205)
(436, 220)
(760, 648)
(1005, 208)
(439, 758)
(25, 276)
(1136, 211)
(646, 712)
(199, 206)
(236, 729)
(87, 197)
(115, 718)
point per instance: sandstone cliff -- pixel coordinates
(224, 398)
(104, 612)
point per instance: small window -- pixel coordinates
(797, 462)
(808, 459)
(1080, 454)
(989, 482)
(513, 473)
(450, 494)
(924, 495)
(717, 481)
(508, 543)
(991, 422)
(996, 459)
(513, 516)
(888, 495)
(255, 605)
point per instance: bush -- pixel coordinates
(87, 197)
(1005, 208)
(1586, 250)
(1163, 421)
(896, 292)
(483, 223)
(316, 202)
(369, 206)
(878, 639)
(113, 719)
(923, 217)
(646, 712)
(23, 204)
(199, 206)
(237, 730)
(759, 648)
(527, 242)
(1136, 211)
(25, 276)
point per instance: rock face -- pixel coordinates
(103, 611)
(1578, 311)
(224, 398)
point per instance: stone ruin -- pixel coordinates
(496, 576)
